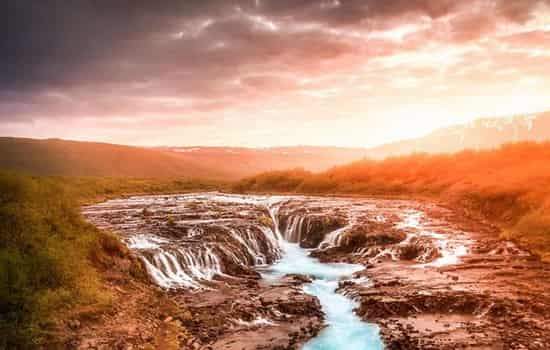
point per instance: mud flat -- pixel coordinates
(268, 272)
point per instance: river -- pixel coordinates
(344, 329)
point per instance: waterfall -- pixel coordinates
(294, 228)
(196, 241)
(182, 267)
(334, 238)
(186, 240)
(172, 267)
(208, 234)
(273, 210)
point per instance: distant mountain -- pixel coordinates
(479, 134)
(74, 158)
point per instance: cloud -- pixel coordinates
(168, 59)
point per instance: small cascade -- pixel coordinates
(273, 209)
(187, 240)
(187, 266)
(182, 267)
(250, 244)
(437, 248)
(295, 228)
(312, 229)
(334, 238)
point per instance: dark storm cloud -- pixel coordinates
(45, 39)
(351, 12)
(123, 57)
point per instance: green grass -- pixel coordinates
(49, 256)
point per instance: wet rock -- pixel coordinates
(371, 234)
(295, 279)
(420, 249)
(495, 294)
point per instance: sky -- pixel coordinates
(262, 73)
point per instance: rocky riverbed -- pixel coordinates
(428, 278)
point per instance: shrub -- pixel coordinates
(265, 220)
(43, 256)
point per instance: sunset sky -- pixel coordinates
(267, 72)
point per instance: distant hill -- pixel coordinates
(246, 161)
(74, 158)
(480, 134)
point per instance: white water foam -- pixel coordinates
(144, 241)
(451, 249)
(260, 321)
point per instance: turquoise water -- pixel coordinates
(344, 331)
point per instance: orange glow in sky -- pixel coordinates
(270, 73)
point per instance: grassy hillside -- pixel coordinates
(510, 185)
(49, 256)
(71, 158)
